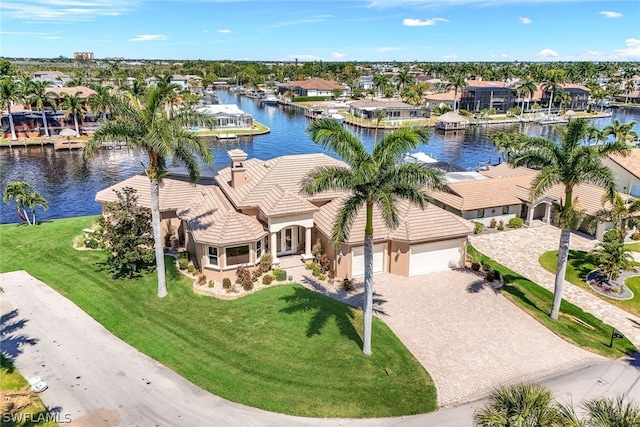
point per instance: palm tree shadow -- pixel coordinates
(353, 299)
(323, 309)
(11, 343)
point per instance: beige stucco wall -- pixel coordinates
(493, 213)
(399, 262)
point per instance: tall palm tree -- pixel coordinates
(9, 93)
(380, 81)
(18, 190)
(73, 105)
(552, 82)
(33, 200)
(377, 178)
(563, 97)
(621, 132)
(404, 79)
(521, 405)
(136, 90)
(509, 144)
(456, 82)
(146, 127)
(629, 87)
(100, 102)
(526, 89)
(568, 163)
(39, 96)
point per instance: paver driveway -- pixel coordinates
(520, 250)
(469, 338)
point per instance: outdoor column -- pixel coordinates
(307, 243)
(547, 213)
(274, 247)
(530, 215)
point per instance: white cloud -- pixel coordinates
(310, 20)
(524, 20)
(337, 55)
(547, 53)
(148, 37)
(64, 10)
(224, 31)
(610, 14)
(632, 51)
(411, 22)
(388, 49)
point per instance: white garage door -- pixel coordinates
(436, 256)
(357, 259)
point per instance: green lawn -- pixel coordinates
(284, 349)
(537, 301)
(579, 265)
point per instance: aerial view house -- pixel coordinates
(311, 87)
(627, 171)
(502, 192)
(227, 116)
(54, 78)
(441, 99)
(579, 96)
(255, 206)
(479, 95)
(393, 110)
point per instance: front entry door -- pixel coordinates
(285, 241)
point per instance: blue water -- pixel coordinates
(70, 182)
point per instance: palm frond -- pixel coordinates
(333, 136)
(345, 217)
(386, 202)
(401, 141)
(327, 178)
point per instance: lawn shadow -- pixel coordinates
(323, 309)
(123, 272)
(11, 343)
(353, 298)
(517, 293)
(581, 262)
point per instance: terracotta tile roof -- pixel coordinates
(537, 95)
(315, 83)
(630, 163)
(482, 194)
(281, 202)
(175, 192)
(416, 225)
(484, 84)
(504, 170)
(213, 220)
(85, 92)
(444, 96)
(588, 197)
(262, 176)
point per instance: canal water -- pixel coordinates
(70, 182)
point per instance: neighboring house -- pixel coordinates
(579, 96)
(393, 110)
(55, 78)
(504, 193)
(312, 87)
(181, 81)
(255, 206)
(439, 100)
(479, 95)
(627, 171)
(631, 97)
(366, 82)
(228, 116)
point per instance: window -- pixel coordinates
(505, 210)
(213, 256)
(237, 255)
(480, 213)
(258, 249)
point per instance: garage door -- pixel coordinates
(437, 256)
(357, 259)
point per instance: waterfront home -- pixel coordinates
(443, 99)
(499, 193)
(481, 95)
(55, 78)
(255, 206)
(579, 96)
(627, 171)
(393, 110)
(227, 116)
(311, 87)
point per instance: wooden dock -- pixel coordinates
(68, 145)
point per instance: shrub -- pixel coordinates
(78, 242)
(266, 261)
(322, 277)
(227, 285)
(91, 243)
(485, 266)
(255, 275)
(492, 223)
(325, 263)
(183, 263)
(500, 225)
(515, 222)
(211, 283)
(635, 236)
(496, 274)
(489, 276)
(347, 285)
(202, 279)
(280, 275)
(478, 227)
(316, 250)
(475, 266)
(244, 278)
(184, 255)
(192, 269)
(266, 280)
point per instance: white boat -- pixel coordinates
(334, 115)
(270, 100)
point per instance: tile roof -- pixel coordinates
(484, 84)
(85, 92)
(416, 225)
(506, 170)
(315, 83)
(630, 163)
(175, 192)
(262, 177)
(279, 202)
(213, 220)
(451, 117)
(443, 96)
(381, 104)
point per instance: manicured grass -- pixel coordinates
(579, 265)
(15, 394)
(635, 247)
(537, 301)
(284, 349)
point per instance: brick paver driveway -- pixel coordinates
(520, 250)
(468, 338)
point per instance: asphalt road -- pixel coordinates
(96, 379)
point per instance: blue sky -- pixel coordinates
(329, 30)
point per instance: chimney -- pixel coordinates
(238, 171)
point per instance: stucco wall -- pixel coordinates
(399, 262)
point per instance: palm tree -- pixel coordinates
(457, 82)
(603, 412)
(18, 190)
(39, 95)
(552, 82)
(621, 132)
(404, 79)
(563, 97)
(73, 105)
(380, 81)
(521, 405)
(375, 178)
(526, 89)
(136, 90)
(100, 102)
(568, 163)
(146, 127)
(9, 93)
(33, 200)
(629, 87)
(509, 144)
